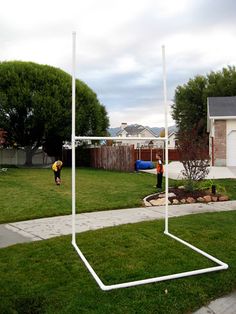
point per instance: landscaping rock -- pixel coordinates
(169, 195)
(159, 202)
(223, 198)
(191, 200)
(147, 204)
(207, 198)
(175, 201)
(214, 198)
(181, 187)
(200, 199)
(183, 201)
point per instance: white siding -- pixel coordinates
(171, 140)
(231, 143)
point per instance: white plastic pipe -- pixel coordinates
(73, 138)
(214, 259)
(119, 138)
(150, 280)
(89, 267)
(166, 139)
(73, 134)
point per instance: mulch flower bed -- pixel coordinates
(181, 195)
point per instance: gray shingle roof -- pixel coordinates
(134, 129)
(222, 106)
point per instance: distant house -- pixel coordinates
(136, 130)
(221, 125)
(172, 142)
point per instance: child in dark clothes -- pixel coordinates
(56, 167)
(160, 170)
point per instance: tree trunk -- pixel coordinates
(29, 155)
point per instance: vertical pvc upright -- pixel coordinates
(166, 141)
(73, 135)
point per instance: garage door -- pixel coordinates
(231, 149)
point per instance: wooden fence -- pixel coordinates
(120, 158)
(150, 154)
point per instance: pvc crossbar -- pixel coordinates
(119, 138)
(221, 265)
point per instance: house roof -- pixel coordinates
(171, 133)
(134, 129)
(222, 106)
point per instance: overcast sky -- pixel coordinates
(119, 46)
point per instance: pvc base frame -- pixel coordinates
(221, 266)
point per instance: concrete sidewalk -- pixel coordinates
(224, 305)
(45, 228)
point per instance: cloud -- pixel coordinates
(212, 12)
(150, 114)
(119, 46)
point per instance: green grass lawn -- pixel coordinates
(49, 277)
(32, 193)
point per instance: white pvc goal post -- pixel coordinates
(221, 265)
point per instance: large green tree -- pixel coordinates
(189, 109)
(190, 103)
(35, 107)
(222, 83)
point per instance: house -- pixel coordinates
(221, 125)
(172, 142)
(136, 130)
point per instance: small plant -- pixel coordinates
(208, 184)
(194, 156)
(190, 185)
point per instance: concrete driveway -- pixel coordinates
(175, 168)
